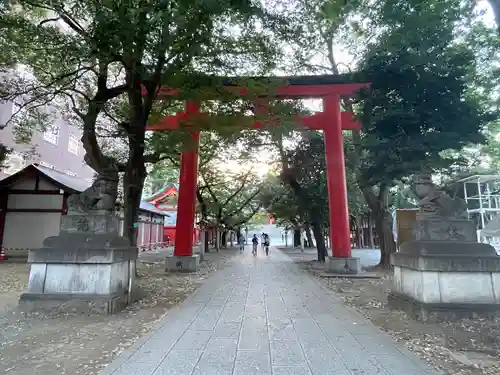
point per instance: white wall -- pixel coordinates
(25, 230)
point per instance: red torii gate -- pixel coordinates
(332, 121)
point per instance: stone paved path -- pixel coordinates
(264, 316)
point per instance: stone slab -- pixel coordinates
(447, 248)
(436, 312)
(446, 263)
(98, 222)
(271, 318)
(361, 275)
(73, 303)
(182, 264)
(445, 256)
(444, 229)
(343, 265)
(447, 287)
(86, 240)
(75, 255)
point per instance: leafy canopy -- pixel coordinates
(419, 103)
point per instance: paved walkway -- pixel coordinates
(265, 316)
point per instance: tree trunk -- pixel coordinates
(309, 236)
(297, 241)
(204, 219)
(370, 231)
(359, 232)
(320, 241)
(206, 239)
(133, 183)
(386, 237)
(383, 224)
(217, 239)
(224, 239)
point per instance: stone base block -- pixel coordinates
(436, 312)
(73, 303)
(430, 228)
(343, 265)
(453, 288)
(182, 264)
(80, 279)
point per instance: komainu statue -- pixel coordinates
(100, 196)
(435, 202)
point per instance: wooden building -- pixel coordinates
(33, 200)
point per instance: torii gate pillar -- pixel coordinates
(340, 234)
(183, 259)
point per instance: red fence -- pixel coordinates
(169, 235)
(149, 235)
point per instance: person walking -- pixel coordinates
(267, 242)
(241, 242)
(255, 243)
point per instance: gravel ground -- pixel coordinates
(35, 344)
(466, 347)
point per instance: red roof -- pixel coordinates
(168, 190)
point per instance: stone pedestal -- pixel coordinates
(444, 274)
(343, 265)
(87, 268)
(182, 264)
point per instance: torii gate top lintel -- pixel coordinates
(279, 87)
(295, 87)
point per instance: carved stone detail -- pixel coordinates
(434, 202)
(100, 196)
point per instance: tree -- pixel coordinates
(228, 199)
(306, 177)
(419, 104)
(161, 173)
(278, 200)
(427, 67)
(485, 42)
(105, 61)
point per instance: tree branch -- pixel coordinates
(93, 154)
(245, 203)
(243, 183)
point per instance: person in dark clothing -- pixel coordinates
(267, 242)
(255, 243)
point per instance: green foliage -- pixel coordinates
(419, 103)
(102, 63)
(259, 219)
(486, 87)
(227, 194)
(356, 201)
(279, 201)
(151, 42)
(306, 175)
(229, 198)
(161, 174)
(300, 194)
